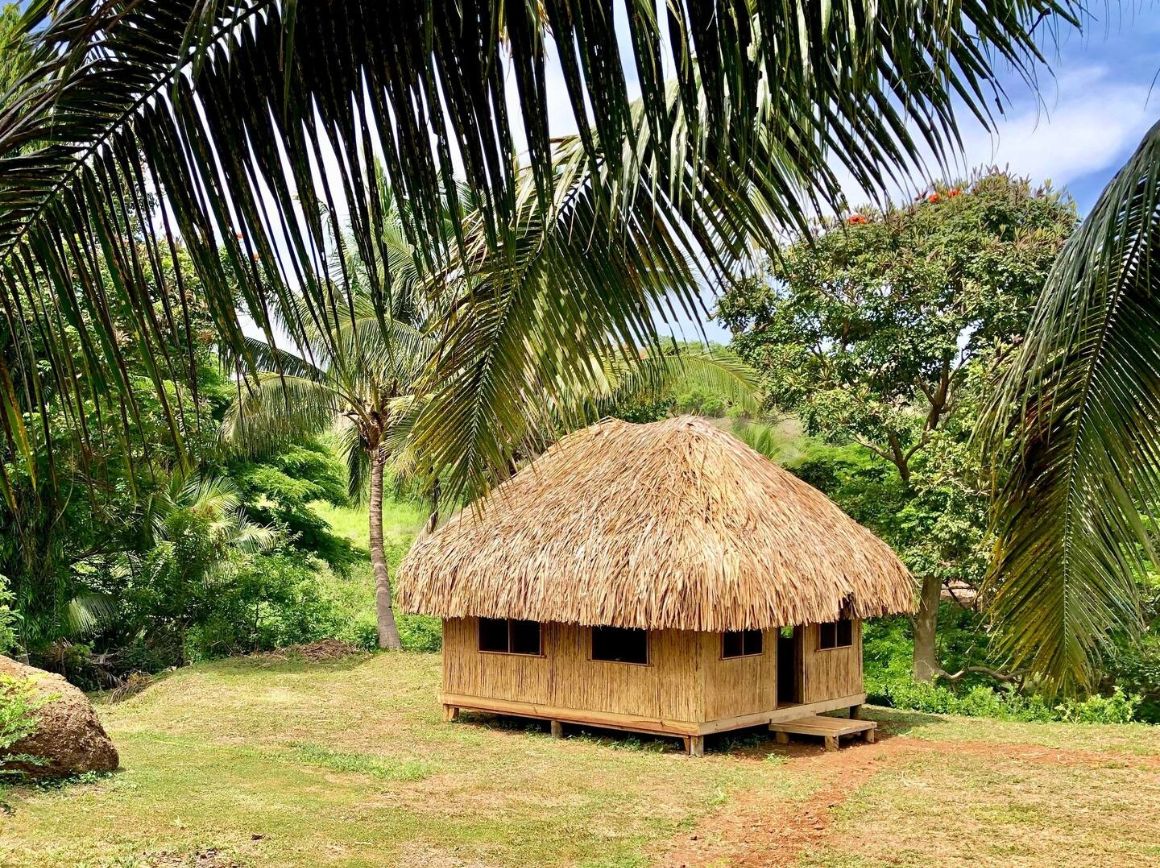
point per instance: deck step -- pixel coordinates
(830, 728)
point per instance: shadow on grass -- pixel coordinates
(897, 721)
(752, 743)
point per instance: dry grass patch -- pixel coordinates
(997, 809)
(348, 763)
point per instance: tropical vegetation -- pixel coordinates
(886, 329)
(173, 172)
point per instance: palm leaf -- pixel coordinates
(1077, 420)
(228, 111)
(277, 409)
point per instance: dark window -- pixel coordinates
(619, 645)
(836, 634)
(505, 636)
(845, 633)
(493, 634)
(741, 643)
(525, 637)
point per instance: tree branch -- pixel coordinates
(1006, 677)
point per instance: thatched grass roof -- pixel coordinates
(675, 524)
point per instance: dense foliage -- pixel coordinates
(152, 549)
(885, 330)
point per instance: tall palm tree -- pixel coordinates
(364, 380)
(1077, 421)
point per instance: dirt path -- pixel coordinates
(759, 829)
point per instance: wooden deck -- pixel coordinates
(830, 728)
(691, 732)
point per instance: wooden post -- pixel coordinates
(557, 729)
(831, 742)
(855, 712)
(781, 737)
(450, 713)
(871, 737)
(695, 745)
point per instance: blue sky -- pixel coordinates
(1091, 111)
(1090, 107)
(1087, 115)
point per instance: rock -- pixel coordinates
(69, 738)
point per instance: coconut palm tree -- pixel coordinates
(362, 379)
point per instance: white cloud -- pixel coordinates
(1084, 122)
(1090, 126)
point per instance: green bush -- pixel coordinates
(8, 639)
(980, 701)
(19, 703)
(420, 632)
(271, 601)
(1117, 708)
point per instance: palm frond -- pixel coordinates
(88, 611)
(652, 376)
(714, 369)
(276, 409)
(1077, 422)
(257, 355)
(356, 456)
(229, 111)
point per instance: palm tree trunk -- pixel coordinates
(925, 630)
(388, 631)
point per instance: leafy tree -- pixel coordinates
(279, 488)
(885, 329)
(226, 111)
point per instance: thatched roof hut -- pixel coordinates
(671, 525)
(658, 578)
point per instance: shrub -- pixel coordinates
(19, 703)
(420, 632)
(1006, 704)
(271, 601)
(7, 618)
(1117, 708)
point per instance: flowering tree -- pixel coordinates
(883, 331)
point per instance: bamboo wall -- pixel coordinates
(564, 677)
(739, 685)
(832, 673)
(686, 679)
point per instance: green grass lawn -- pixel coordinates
(260, 762)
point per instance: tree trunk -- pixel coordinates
(925, 628)
(433, 519)
(388, 631)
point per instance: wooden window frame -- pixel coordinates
(744, 654)
(838, 645)
(509, 652)
(648, 655)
